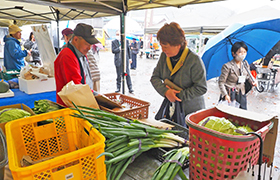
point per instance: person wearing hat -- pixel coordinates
(134, 51)
(66, 36)
(13, 54)
(71, 63)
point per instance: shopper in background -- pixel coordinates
(182, 67)
(116, 50)
(66, 36)
(134, 51)
(233, 76)
(13, 53)
(32, 46)
(71, 64)
(141, 44)
(94, 70)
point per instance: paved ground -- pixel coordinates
(265, 103)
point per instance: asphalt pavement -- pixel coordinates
(265, 103)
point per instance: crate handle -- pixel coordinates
(265, 129)
(3, 139)
(86, 131)
(260, 152)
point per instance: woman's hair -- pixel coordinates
(238, 45)
(30, 36)
(172, 34)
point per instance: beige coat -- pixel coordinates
(229, 77)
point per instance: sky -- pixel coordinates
(240, 6)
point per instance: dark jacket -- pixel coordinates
(116, 49)
(135, 49)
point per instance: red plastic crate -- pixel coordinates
(219, 156)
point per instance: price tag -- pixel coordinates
(241, 79)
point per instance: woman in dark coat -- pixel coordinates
(180, 65)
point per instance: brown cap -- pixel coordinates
(86, 32)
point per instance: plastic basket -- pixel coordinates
(72, 142)
(139, 109)
(159, 152)
(214, 155)
(3, 154)
(9, 74)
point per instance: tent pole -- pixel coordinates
(123, 49)
(57, 27)
(200, 40)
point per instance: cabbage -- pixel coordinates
(9, 114)
(218, 124)
(245, 129)
(223, 125)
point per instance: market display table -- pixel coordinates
(27, 99)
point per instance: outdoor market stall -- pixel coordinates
(27, 99)
(139, 168)
(131, 173)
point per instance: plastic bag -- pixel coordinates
(80, 94)
(233, 103)
(178, 116)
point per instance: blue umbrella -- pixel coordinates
(260, 37)
(131, 36)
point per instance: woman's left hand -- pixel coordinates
(254, 83)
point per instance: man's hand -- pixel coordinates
(130, 61)
(171, 95)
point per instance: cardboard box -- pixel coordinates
(236, 113)
(36, 85)
(271, 136)
(19, 106)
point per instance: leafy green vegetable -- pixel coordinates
(245, 129)
(223, 125)
(43, 106)
(9, 114)
(219, 124)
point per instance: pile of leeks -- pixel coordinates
(126, 139)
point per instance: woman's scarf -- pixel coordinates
(179, 63)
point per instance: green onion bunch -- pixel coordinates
(172, 165)
(126, 139)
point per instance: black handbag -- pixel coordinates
(164, 112)
(248, 86)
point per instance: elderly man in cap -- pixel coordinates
(71, 64)
(13, 53)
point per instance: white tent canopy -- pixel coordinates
(131, 25)
(258, 14)
(195, 18)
